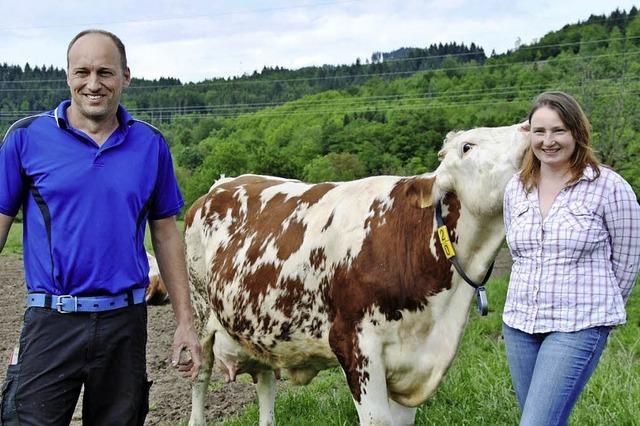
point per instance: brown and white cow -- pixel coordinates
(156, 293)
(288, 275)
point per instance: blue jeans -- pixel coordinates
(549, 370)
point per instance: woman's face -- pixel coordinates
(551, 141)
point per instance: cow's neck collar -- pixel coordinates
(449, 252)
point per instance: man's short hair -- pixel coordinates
(119, 44)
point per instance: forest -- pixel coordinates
(387, 114)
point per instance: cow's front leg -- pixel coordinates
(402, 416)
(199, 389)
(360, 356)
(266, 390)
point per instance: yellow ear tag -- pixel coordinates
(443, 235)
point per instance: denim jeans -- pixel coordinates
(549, 370)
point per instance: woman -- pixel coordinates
(573, 228)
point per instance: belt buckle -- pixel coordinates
(61, 300)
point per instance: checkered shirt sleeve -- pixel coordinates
(622, 218)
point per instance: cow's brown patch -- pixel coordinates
(290, 240)
(316, 192)
(343, 339)
(291, 297)
(329, 222)
(317, 258)
(219, 204)
(376, 215)
(256, 184)
(257, 283)
(453, 215)
(394, 271)
(267, 224)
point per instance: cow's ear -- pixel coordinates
(419, 192)
(524, 127)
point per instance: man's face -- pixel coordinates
(95, 77)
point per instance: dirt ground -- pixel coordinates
(170, 398)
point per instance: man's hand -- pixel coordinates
(185, 340)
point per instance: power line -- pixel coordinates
(425, 96)
(392, 108)
(359, 104)
(464, 93)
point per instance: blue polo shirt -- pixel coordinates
(85, 206)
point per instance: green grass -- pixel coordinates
(477, 389)
(147, 235)
(14, 240)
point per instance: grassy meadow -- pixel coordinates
(14, 240)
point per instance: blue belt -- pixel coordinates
(66, 303)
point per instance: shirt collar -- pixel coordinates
(588, 174)
(60, 114)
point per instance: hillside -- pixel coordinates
(387, 115)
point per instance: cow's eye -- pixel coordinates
(466, 147)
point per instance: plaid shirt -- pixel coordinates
(575, 268)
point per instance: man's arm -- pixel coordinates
(169, 251)
(5, 224)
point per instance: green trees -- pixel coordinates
(334, 167)
(390, 116)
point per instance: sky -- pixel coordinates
(202, 39)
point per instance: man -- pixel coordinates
(88, 176)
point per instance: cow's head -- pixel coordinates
(477, 164)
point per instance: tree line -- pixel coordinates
(388, 115)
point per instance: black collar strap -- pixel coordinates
(450, 253)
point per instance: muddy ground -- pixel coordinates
(170, 398)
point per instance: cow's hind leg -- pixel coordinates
(199, 389)
(266, 390)
(402, 416)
